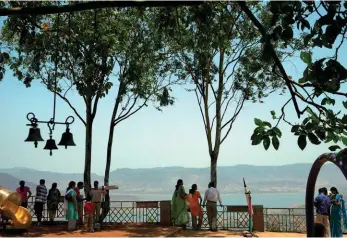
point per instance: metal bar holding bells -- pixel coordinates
(92, 5)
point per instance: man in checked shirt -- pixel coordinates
(211, 197)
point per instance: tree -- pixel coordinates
(217, 51)
(144, 71)
(117, 40)
(323, 25)
(80, 47)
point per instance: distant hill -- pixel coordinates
(12, 183)
(267, 179)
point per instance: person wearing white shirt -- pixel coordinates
(211, 197)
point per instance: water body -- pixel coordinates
(269, 200)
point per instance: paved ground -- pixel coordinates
(222, 233)
(136, 230)
(116, 231)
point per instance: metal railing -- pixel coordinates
(285, 219)
(275, 219)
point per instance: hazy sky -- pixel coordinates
(174, 137)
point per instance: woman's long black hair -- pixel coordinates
(179, 183)
(71, 184)
(193, 189)
(334, 189)
(21, 184)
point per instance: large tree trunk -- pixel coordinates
(88, 149)
(109, 154)
(213, 170)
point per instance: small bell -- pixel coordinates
(50, 145)
(67, 139)
(34, 135)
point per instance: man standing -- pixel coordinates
(79, 199)
(211, 197)
(322, 204)
(40, 200)
(97, 194)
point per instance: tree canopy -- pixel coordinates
(321, 25)
(217, 53)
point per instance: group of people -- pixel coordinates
(183, 204)
(73, 203)
(330, 208)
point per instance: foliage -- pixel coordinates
(322, 25)
(217, 51)
(81, 51)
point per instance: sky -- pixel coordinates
(173, 137)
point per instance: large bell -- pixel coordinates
(34, 136)
(50, 145)
(67, 139)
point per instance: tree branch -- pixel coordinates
(278, 63)
(91, 5)
(232, 120)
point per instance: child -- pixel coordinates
(89, 209)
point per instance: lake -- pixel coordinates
(269, 200)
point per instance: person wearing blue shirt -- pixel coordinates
(322, 204)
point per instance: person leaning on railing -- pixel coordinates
(40, 200)
(96, 194)
(211, 197)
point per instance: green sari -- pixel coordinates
(179, 209)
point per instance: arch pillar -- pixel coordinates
(340, 160)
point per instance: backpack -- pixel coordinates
(54, 196)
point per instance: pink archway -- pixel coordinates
(340, 160)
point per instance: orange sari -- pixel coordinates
(194, 206)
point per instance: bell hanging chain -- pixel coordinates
(34, 132)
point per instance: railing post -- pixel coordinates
(258, 218)
(165, 213)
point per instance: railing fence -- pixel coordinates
(275, 219)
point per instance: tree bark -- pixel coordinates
(111, 132)
(214, 169)
(109, 154)
(88, 147)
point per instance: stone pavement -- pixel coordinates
(228, 233)
(133, 230)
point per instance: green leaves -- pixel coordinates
(306, 57)
(258, 122)
(313, 139)
(328, 101)
(302, 142)
(275, 142)
(264, 132)
(266, 142)
(334, 147)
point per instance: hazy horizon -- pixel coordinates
(161, 167)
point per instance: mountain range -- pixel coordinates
(262, 179)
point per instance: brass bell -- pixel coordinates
(34, 135)
(50, 145)
(67, 139)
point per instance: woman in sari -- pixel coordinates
(344, 213)
(335, 214)
(71, 208)
(195, 201)
(179, 207)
